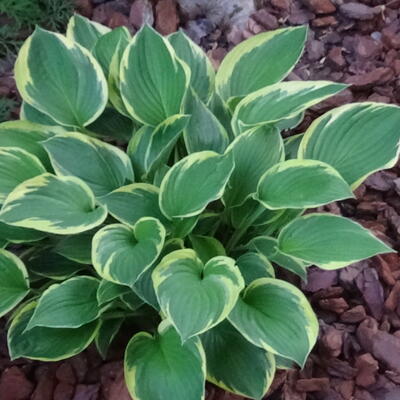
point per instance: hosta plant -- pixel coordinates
(143, 192)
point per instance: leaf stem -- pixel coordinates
(239, 233)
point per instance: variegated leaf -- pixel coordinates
(48, 203)
(60, 78)
(193, 295)
(121, 254)
(160, 366)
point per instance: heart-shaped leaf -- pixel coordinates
(121, 254)
(229, 356)
(55, 204)
(14, 283)
(196, 296)
(276, 316)
(161, 367)
(65, 82)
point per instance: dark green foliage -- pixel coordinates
(6, 106)
(21, 16)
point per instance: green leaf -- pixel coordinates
(49, 264)
(161, 367)
(60, 78)
(77, 248)
(102, 166)
(268, 247)
(27, 136)
(152, 94)
(16, 166)
(290, 123)
(109, 50)
(144, 288)
(355, 139)
(14, 282)
(207, 222)
(329, 241)
(185, 192)
(132, 301)
(297, 267)
(29, 114)
(284, 363)
(112, 124)
(150, 147)
(259, 61)
(117, 246)
(254, 211)
(229, 357)
(254, 152)
(46, 344)
(301, 184)
(109, 291)
(109, 328)
(292, 144)
(280, 101)
(204, 131)
(70, 304)
(207, 247)
(202, 73)
(15, 234)
(182, 227)
(193, 295)
(254, 266)
(221, 111)
(63, 205)
(130, 203)
(110, 45)
(85, 32)
(276, 316)
(274, 226)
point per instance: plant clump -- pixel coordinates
(144, 189)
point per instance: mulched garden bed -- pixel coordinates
(358, 352)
